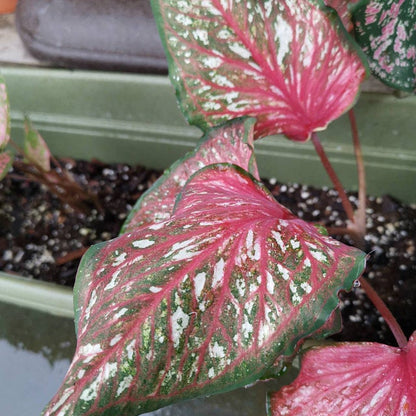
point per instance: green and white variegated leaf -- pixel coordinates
(6, 161)
(35, 149)
(288, 63)
(4, 116)
(204, 302)
(230, 143)
(386, 31)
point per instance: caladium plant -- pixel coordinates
(289, 65)
(386, 30)
(352, 379)
(203, 302)
(231, 143)
(212, 283)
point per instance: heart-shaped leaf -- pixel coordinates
(203, 302)
(286, 64)
(6, 161)
(386, 30)
(352, 379)
(4, 116)
(231, 143)
(345, 9)
(35, 149)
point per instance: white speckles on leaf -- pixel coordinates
(295, 243)
(89, 351)
(216, 351)
(183, 250)
(240, 50)
(201, 35)
(319, 255)
(183, 19)
(121, 312)
(284, 37)
(253, 248)
(179, 322)
(91, 303)
(130, 348)
(119, 259)
(90, 393)
(65, 396)
(283, 271)
(212, 62)
(113, 282)
(278, 237)
(124, 384)
(199, 282)
(110, 370)
(270, 283)
(247, 328)
(143, 243)
(295, 297)
(156, 226)
(306, 287)
(115, 340)
(241, 287)
(218, 273)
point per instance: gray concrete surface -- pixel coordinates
(12, 50)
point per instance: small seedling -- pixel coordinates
(36, 162)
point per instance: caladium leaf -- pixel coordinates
(352, 379)
(386, 30)
(6, 161)
(287, 65)
(4, 116)
(35, 149)
(203, 302)
(344, 9)
(230, 143)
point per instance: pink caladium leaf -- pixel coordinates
(4, 116)
(352, 379)
(35, 149)
(204, 302)
(386, 30)
(345, 8)
(230, 143)
(289, 66)
(6, 161)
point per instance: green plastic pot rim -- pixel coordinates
(35, 294)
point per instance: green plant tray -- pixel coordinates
(135, 118)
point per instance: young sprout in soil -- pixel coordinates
(39, 165)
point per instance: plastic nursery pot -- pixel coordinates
(7, 6)
(135, 119)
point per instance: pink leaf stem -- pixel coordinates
(385, 313)
(334, 177)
